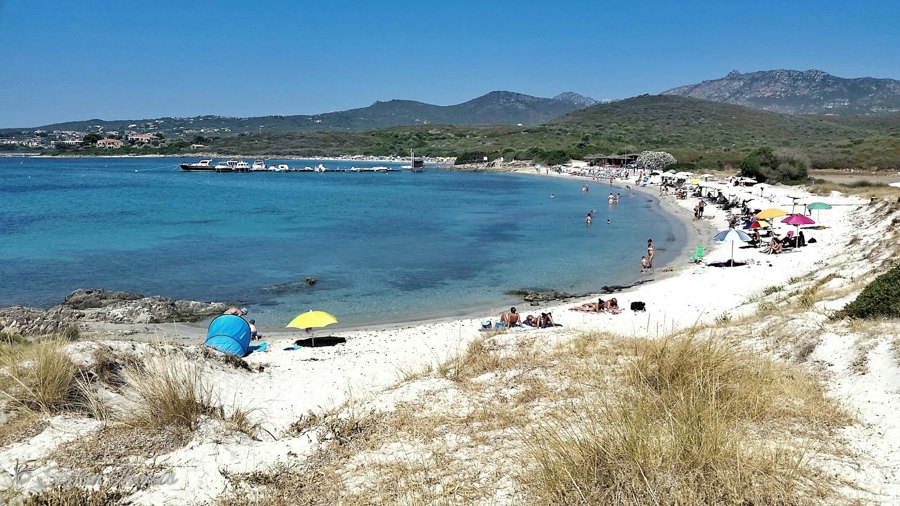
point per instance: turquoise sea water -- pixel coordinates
(384, 247)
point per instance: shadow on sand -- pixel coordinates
(727, 263)
(318, 342)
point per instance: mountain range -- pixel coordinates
(494, 108)
(783, 91)
(799, 92)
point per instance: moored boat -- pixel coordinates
(233, 166)
(201, 166)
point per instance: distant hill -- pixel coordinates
(700, 133)
(799, 92)
(495, 108)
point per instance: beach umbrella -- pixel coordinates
(798, 219)
(312, 319)
(754, 204)
(732, 235)
(757, 224)
(818, 206)
(761, 187)
(772, 212)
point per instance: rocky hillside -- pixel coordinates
(799, 92)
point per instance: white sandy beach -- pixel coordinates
(295, 382)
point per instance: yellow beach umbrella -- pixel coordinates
(312, 319)
(768, 214)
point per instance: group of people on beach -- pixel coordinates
(513, 319)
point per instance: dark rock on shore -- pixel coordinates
(619, 288)
(293, 286)
(543, 295)
(87, 299)
(104, 306)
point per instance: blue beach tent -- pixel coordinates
(229, 334)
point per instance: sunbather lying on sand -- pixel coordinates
(588, 307)
(597, 307)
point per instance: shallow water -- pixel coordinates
(384, 247)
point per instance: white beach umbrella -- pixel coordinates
(732, 235)
(761, 187)
(756, 204)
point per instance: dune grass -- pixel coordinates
(686, 425)
(170, 391)
(40, 377)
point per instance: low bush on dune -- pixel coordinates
(880, 298)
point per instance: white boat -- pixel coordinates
(233, 166)
(227, 166)
(282, 167)
(258, 164)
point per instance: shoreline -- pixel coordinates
(697, 233)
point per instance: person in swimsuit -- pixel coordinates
(651, 250)
(511, 319)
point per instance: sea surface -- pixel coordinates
(384, 247)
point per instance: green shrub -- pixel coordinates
(881, 297)
(471, 157)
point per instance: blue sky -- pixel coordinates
(64, 60)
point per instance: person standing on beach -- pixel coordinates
(651, 250)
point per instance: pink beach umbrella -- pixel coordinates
(798, 219)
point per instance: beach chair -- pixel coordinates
(698, 255)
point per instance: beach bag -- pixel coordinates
(638, 306)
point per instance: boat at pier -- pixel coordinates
(201, 166)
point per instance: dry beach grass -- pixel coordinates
(772, 401)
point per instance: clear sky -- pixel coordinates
(68, 60)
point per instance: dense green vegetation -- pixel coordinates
(172, 147)
(700, 134)
(880, 298)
